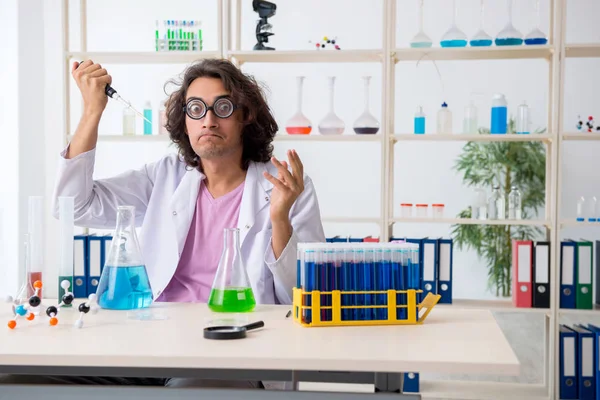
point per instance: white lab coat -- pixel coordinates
(164, 194)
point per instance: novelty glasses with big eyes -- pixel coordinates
(196, 108)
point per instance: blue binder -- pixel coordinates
(106, 240)
(568, 361)
(430, 262)
(411, 383)
(586, 366)
(596, 330)
(94, 265)
(445, 271)
(80, 260)
(568, 261)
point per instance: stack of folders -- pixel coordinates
(90, 253)
(577, 269)
(531, 274)
(579, 374)
(435, 277)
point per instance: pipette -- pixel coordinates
(112, 93)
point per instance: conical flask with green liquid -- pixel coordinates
(231, 291)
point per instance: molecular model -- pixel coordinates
(28, 310)
(589, 124)
(326, 42)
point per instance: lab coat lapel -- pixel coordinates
(257, 195)
(183, 205)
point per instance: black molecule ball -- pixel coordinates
(35, 301)
(83, 308)
(51, 311)
(68, 299)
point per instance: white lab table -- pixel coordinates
(450, 341)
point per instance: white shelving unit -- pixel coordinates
(229, 27)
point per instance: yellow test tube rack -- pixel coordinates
(413, 310)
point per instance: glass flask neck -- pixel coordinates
(538, 19)
(299, 84)
(331, 92)
(367, 81)
(509, 9)
(421, 15)
(231, 240)
(125, 219)
(455, 13)
(482, 14)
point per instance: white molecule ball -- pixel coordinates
(94, 310)
(92, 297)
(9, 299)
(65, 284)
(79, 324)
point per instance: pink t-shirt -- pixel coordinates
(198, 264)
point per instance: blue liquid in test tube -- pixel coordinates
(359, 283)
(310, 276)
(369, 277)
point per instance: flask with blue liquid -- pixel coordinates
(499, 114)
(420, 121)
(124, 284)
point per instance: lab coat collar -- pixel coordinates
(256, 196)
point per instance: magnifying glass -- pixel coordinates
(230, 332)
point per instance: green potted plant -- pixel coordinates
(507, 164)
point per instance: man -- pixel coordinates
(223, 177)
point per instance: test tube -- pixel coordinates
(368, 276)
(330, 278)
(347, 285)
(398, 280)
(67, 221)
(36, 241)
(382, 277)
(359, 283)
(309, 285)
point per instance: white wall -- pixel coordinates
(9, 131)
(347, 175)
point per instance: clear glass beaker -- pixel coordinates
(421, 39)
(231, 291)
(454, 37)
(536, 36)
(366, 123)
(298, 124)
(509, 36)
(331, 124)
(124, 284)
(481, 37)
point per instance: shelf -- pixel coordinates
(473, 53)
(573, 223)
(350, 220)
(308, 56)
(157, 57)
(329, 138)
(581, 136)
(481, 390)
(278, 137)
(446, 137)
(466, 221)
(582, 50)
(493, 305)
(578, 312)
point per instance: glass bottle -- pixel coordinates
(592, 206)
(499, 123)
(298, 124)
(479, 205)
(536, 36)
(481, 37)
(514, 203)
(470, 119)
(331, 124)
(454, 37)
(366, 123)
(581, 209)
(509, 36)
(124, 284)
(421, 39)
(419, 121)
(522, 122)
(496, 205)
(444, 119)
(148, 115)
(128, 122)
(231, 291)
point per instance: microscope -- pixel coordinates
(265, 9)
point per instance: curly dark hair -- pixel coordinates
(259, 124)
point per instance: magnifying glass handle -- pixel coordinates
(254, 325)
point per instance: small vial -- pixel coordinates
(514, 203)
(419, 121)
(522, 123)
(592, 209)
(148, 116)
(128, 122)
(444, 119)
(496, 205)
(499, 114)
(479, 206)
(581, 209)
(406, 210)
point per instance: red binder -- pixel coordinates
(522, 270)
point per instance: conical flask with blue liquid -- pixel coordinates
(124, 284)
